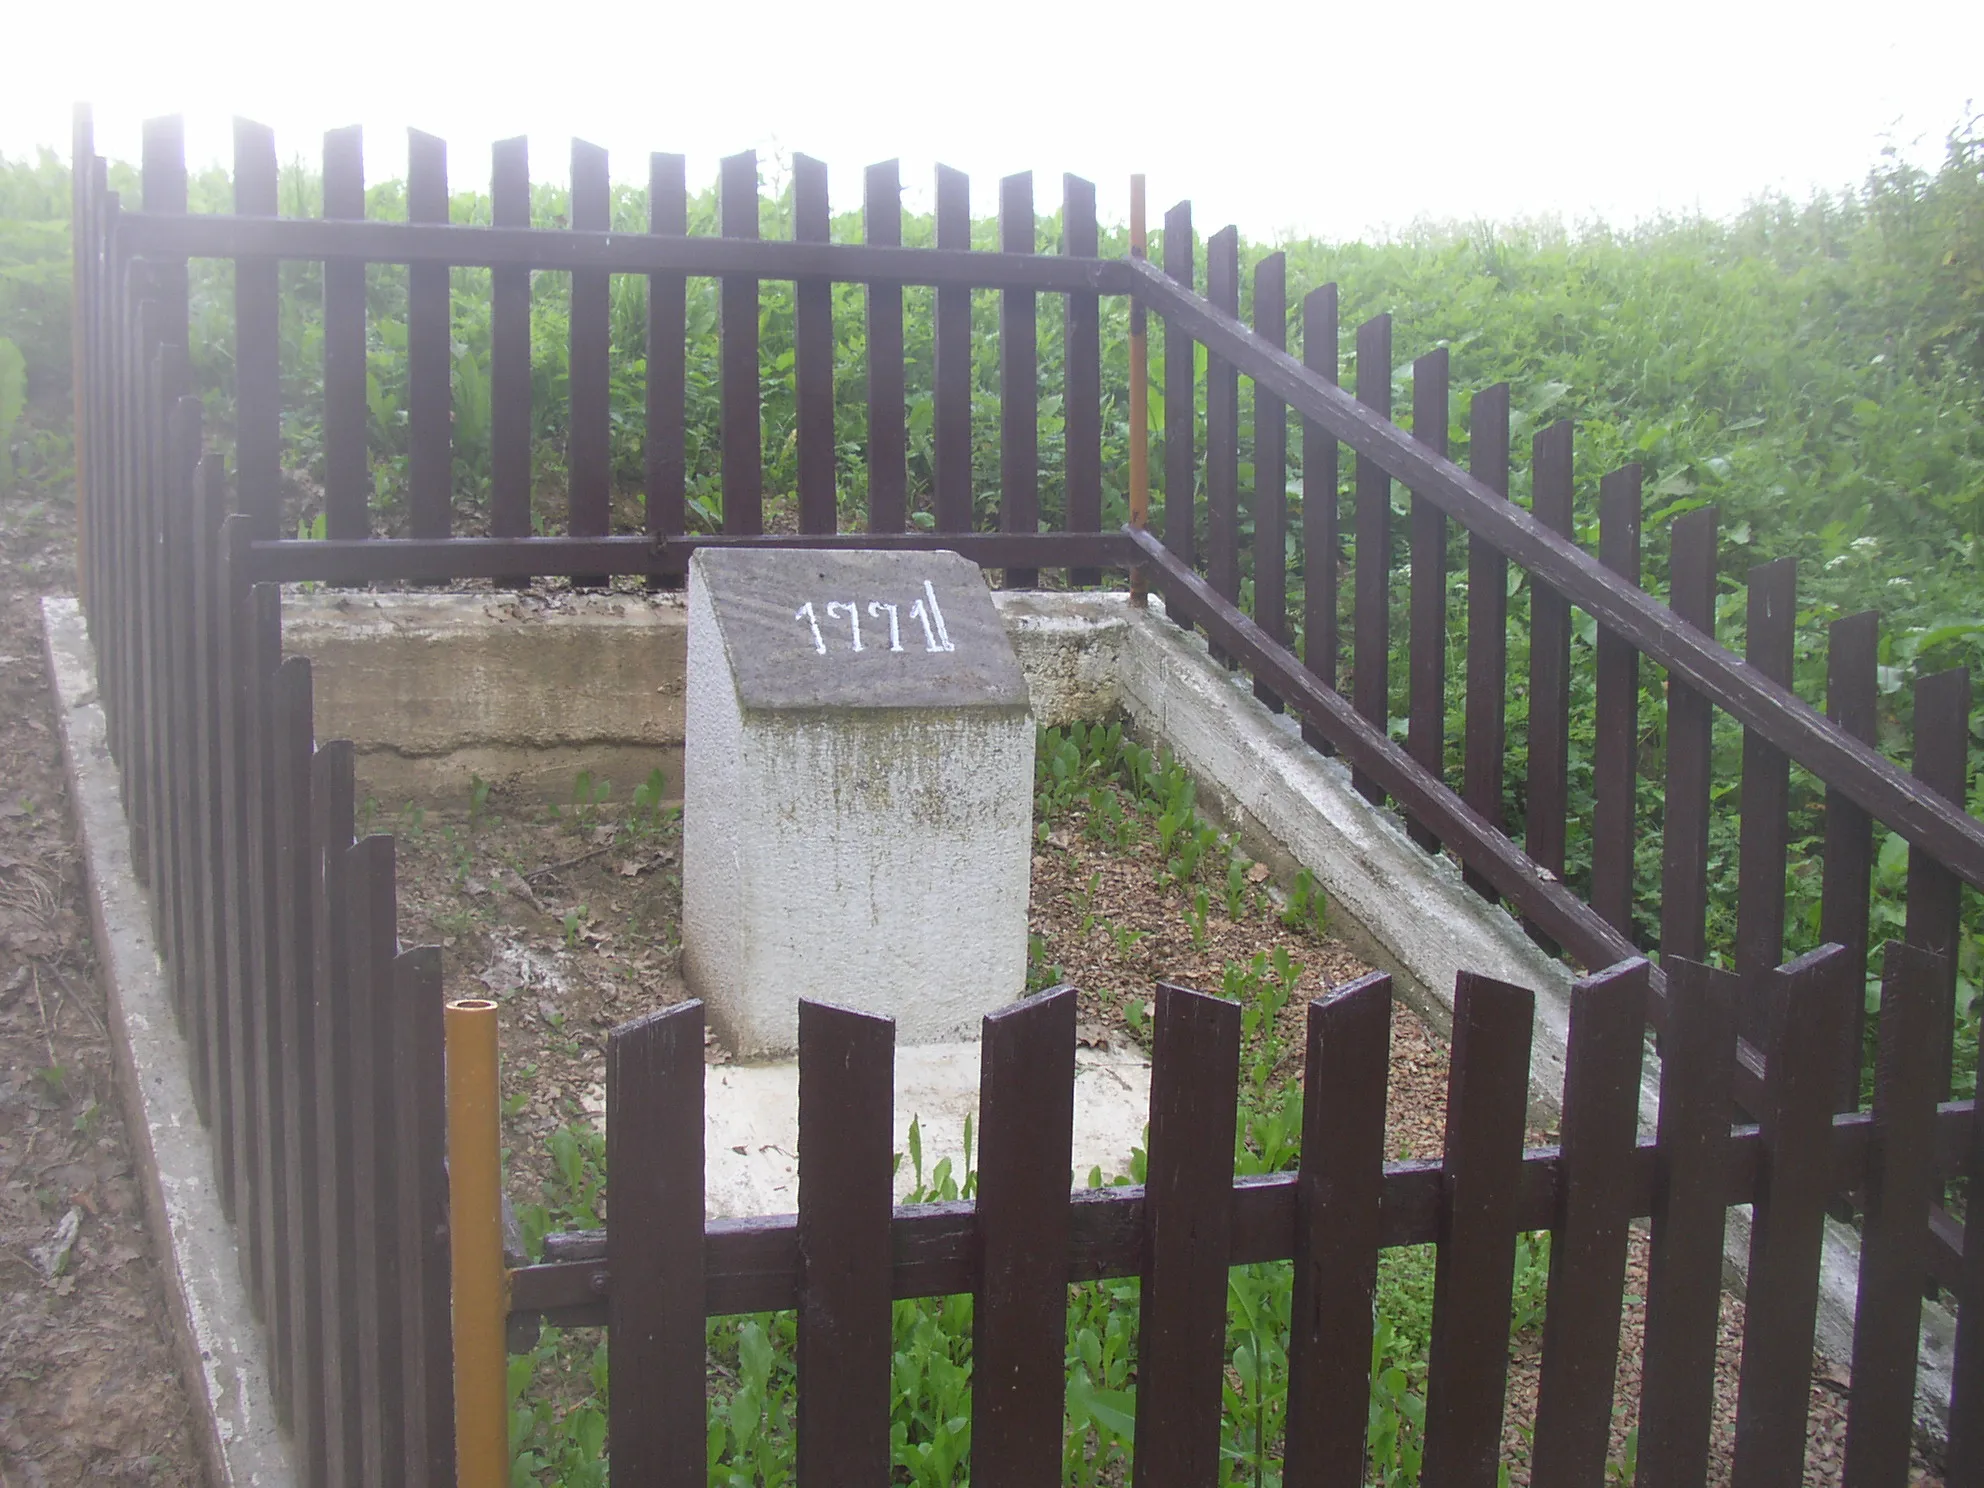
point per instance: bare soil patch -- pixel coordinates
(89, 1383)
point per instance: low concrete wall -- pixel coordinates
(526, 691)
(523, 690)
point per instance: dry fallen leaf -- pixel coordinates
(1258, 873)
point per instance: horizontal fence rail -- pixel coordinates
(753, 1265)
(396, 560)
(169, 239)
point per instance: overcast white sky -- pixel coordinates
(1326, 118)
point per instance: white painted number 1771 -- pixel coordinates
(925, 610)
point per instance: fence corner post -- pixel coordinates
(475, 1228)
(1139, 399)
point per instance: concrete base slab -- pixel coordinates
(221, 1349)
(751, 1126)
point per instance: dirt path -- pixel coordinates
(89, 1385)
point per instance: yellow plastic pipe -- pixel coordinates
(1139, 396)
(475, 1229)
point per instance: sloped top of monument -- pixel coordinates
(810, 629)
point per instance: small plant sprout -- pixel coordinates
(1237, 891)
(588, 795)
(413, 823)
(1308, 907)
(478, 801)
(646, 806)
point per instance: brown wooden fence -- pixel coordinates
(315, 1039)
(657, 1271)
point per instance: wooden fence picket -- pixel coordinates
(1684, 1268)
(846, 1172)
(347, 466)
(1020, 1320)
(1223, 424)
(951, 439)
(304, 1217)
(743, 456)
(1552, 496)
(1487, 1103)
(1880, 1417)
(1616, 749)
(666, 474)
(1081, 361)
(1371, 603)
(654, 1338)
(1181, 1342)
(1588, 1242)
(813, 355)
(1019, 377)
(589, 366)
(1269, 498)
(1691, 570)
(1180, 395)
(429, 333)
(1485, 750)
(1338, 1201)
(1852, 699)
(1811, 1000)
(1763, 844)
(509, 349)
(1426, 597)
(888, 477)
(333, 808)
(1322, 542)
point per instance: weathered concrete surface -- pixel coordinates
(751, 1122)
(857, 825)
(805, 631)
(221, 1349)
(1071, 648)
(525, 690)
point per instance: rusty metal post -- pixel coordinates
(1139, 398)
(475, 1226)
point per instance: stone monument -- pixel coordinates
(858, 793)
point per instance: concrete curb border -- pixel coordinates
(220, 1344)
